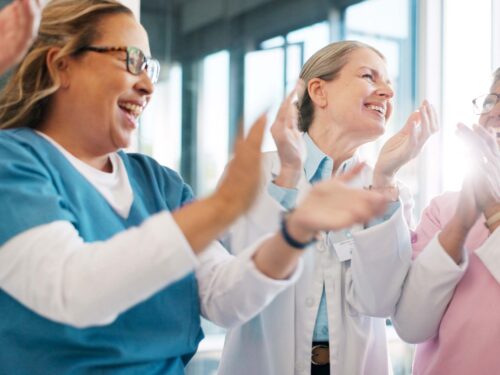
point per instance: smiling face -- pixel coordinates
(104, 99)
(491, 120)
(359, 99)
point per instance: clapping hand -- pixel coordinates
(405, 145)
(289, 140)
(485, 156)
(19, 23)
(332, 205)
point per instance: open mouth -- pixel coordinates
(133, 109)
(379, 109)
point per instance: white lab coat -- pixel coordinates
(278, 341)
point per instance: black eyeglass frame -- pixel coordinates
(478, 110)
(150, 65)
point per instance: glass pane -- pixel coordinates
(264, 87)
(213, 121)
(160, 129)
(313, 38)
(467, 74)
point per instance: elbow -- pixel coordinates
(413, 334)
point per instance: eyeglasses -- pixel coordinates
(485, 103)
(136, 60)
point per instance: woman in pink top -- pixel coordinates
(451, 298)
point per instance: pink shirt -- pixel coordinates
(468, 339)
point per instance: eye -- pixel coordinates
(368, 76)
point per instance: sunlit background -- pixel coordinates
(225, 61)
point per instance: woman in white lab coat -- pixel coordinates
(333, 319)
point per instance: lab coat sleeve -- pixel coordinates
(489, 253)
(380, 262)
(232, 290)
(430, 283)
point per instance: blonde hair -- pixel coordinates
(496, 76)
(325, 64)
(67, 24)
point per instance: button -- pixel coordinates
(309, 301)
(321, 247)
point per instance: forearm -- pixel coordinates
(52, 271)
(452, 238)
(204, 220)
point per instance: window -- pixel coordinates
(213, 121)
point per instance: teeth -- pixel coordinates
(134, 109)
(380, 110)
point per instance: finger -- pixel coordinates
(472, 141)
(414, 119)
(488, 136)
(434, 119)
(352, 173)
(425, 123)
(256, 133)
(300, 88)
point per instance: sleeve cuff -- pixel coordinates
(259, 278)
(392, 207)
(284, 196)
(489, 253)
(380, 240)
(436, 258)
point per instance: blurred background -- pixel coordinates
(226, 61)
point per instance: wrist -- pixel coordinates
(224, 210)
(492, 220)
(292, 229)
(382, 180)
(288, 177)
(491, 209)
(389, 192)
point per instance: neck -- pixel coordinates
(334, 142)
(75, 143)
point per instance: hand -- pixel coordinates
(240, 184)
(332, 205)
(405, 145)
(485, 156)
(289, 141)
(19, 23)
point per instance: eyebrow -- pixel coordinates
(376, 72)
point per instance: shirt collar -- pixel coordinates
(318, 165)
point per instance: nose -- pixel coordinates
(385, 90)
(144, 84)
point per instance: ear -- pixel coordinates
(317, 92)
(58, 67)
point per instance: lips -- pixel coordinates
(132, 108)
(379, 108)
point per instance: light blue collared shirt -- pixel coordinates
(319, 166)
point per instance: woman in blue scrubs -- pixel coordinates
(106, 262)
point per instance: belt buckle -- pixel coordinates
(320, 355)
